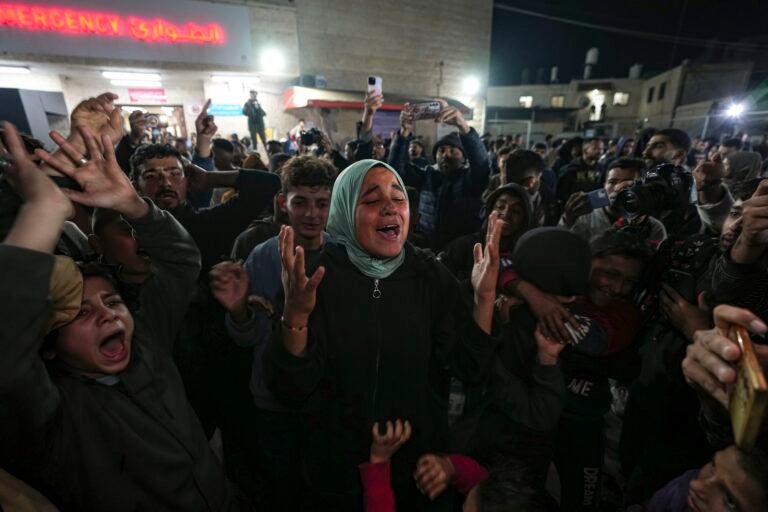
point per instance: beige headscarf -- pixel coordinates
(742, 166)
(65, 292)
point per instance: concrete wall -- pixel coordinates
(401, 41)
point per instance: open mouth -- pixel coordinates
(113, 347)
(389, 232)
(142, 254)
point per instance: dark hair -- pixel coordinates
(590, 140)
(732, 142)
(276, 161)
(509, 489)
(634, 164)
(755, 464)
(614, 242)
(307, 171)
(102, 217)
(223, 145)
(522, 163)
(418, 143)
(677, 138)
(539, 145)
(148, 152)
(504, 151)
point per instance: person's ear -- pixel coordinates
(95, 243)
(282, 199)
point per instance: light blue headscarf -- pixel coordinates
(341, 219)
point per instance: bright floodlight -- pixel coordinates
(272, 60)
(735, 110)
(471, 85)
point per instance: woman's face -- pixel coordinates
(382, 216)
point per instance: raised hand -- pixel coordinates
(406, 121)
(100, 116)
(31, 184)
(206, 128)
(434, 473)
(300, 290)
(709, 364)
(138, 122)
(103, 183)
(41, 217)
(576, 206)
(452, 116)
(385, 445)
(709, 173)
(229, 285)
(485, 272)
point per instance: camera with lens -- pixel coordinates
(311, 136)
(664, 188)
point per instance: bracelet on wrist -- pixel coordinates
(292, 327)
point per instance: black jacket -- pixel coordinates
(578, 176)
(458, 195)
(372, 359)
(215, 229)
(133, 445)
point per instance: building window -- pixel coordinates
(621, 99)
(558, 101)
(650, 94)
(662, 90)
(526, 101)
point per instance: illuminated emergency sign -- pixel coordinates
(80, 22)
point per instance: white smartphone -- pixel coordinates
(374, 85)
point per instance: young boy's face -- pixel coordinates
(98, 340)
(613, 277)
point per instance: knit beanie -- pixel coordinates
(555, 260)
(452, 139)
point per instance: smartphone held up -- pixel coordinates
(750, 393)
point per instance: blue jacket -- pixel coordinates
(458, 195)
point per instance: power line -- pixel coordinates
(687, 41)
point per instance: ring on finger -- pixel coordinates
(82, 161)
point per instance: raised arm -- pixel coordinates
(477, 156)
(26, 271)
(175, 258)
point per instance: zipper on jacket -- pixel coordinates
(376, 295)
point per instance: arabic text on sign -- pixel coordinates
(73, 21)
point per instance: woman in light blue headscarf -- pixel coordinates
(375, 334)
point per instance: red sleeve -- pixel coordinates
(468, 472)
(376, 487)
(620, 323)
(506, 278)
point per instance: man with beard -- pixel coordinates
(449, 191)
(158, 173)
(588, 223)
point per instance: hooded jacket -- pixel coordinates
(457, 195)
(376, 359)
(458, 256)
(127, 444)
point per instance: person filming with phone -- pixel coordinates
(589, 214)
(449, 191)
(252, 109)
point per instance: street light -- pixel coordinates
(272, 60)
(470, 86)
(735, 110)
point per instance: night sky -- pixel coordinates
(520, 41)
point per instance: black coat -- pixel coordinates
(377, 359)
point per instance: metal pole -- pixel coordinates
(704, 130)
(528, 135)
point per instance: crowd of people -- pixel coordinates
(480, 324)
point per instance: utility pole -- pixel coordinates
(440, 76)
